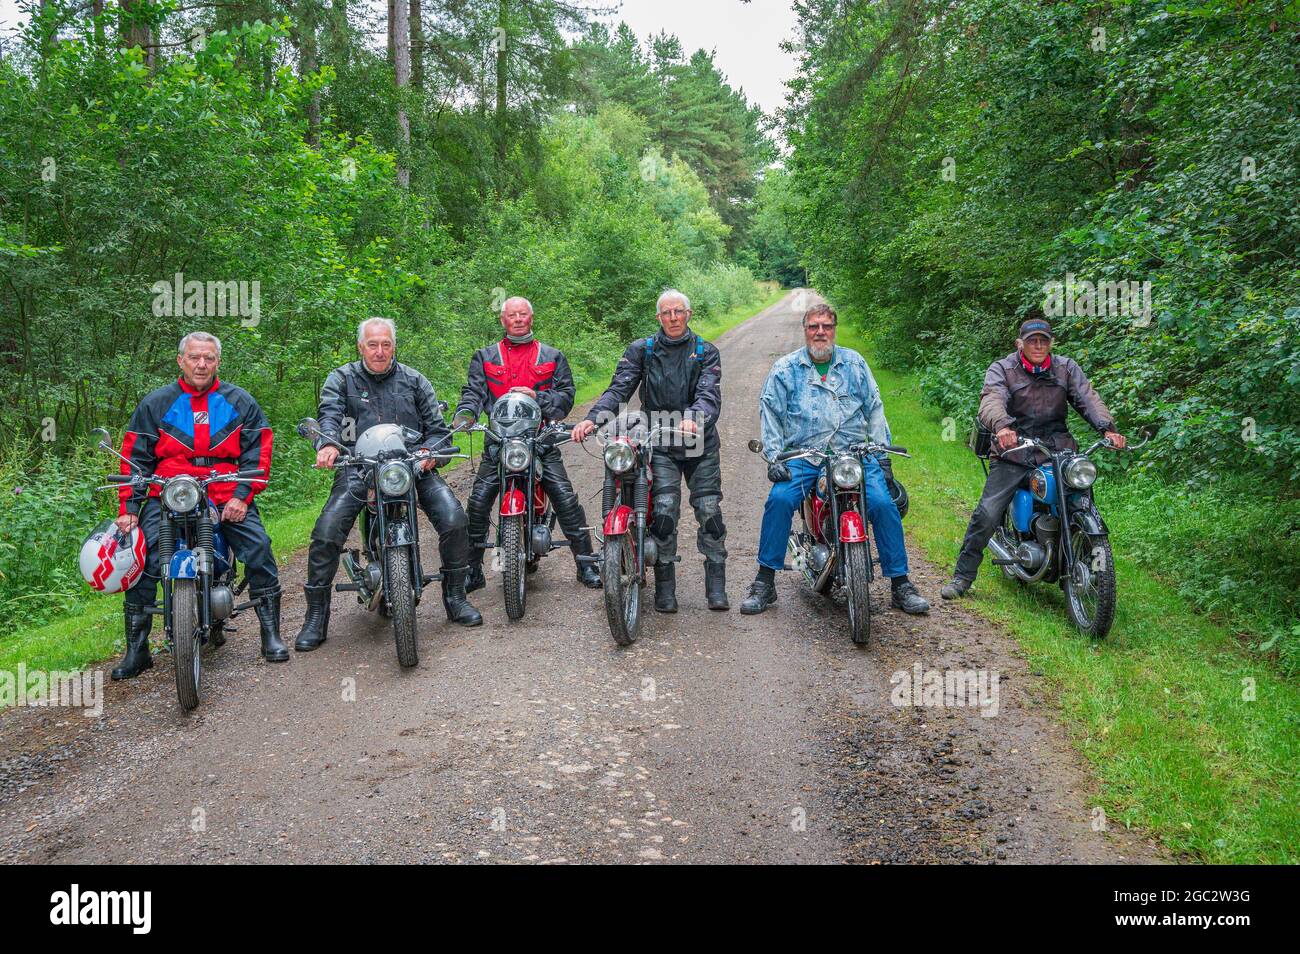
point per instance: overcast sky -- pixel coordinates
(745, 36)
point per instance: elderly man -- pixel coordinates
(196, 425)
(680, 374)
(520, 363)
(817, 394)
(1028, 392)
(378, 390)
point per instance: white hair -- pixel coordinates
(516, 298)
(386, 322)
(670, 293)
(201, 336)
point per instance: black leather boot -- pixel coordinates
(268, 616)
(588, 575)
(458, 607)
(666, 587)
(715, 585)
(315, 626)
(137, 658)
(474, 579)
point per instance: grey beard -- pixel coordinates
(820, 355)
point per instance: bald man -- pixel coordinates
(522, 364)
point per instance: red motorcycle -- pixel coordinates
(832, 548)
(628, 548)
(525, 516)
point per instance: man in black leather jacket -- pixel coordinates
(378, 390)
(679, 373)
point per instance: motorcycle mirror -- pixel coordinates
(100, 438)
(756, 446)
(308, 427)
(411, 435)
(442, 407)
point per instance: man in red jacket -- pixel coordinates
(195, 425)
(521, 363)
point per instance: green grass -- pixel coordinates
(94, 631)
(1160, 708)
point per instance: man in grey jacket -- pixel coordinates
(1029, 392)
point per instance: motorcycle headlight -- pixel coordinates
(847, 472)
(1080, 473)
(620, 457)
(394, 479)
(181, 494)
(516, 455)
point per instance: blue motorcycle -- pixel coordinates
(198, 570)
(1052, 532)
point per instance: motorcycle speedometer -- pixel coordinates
(847, 472)
(394, 479)
(1080, 473)
(620, 457)
(181, 494)
(515, 455)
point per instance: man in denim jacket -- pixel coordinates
(808, 395)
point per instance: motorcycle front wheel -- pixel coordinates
(857, 589)
(513, 571)
(185, 642)
(401, 600)
(622, 588)
(1090, 585)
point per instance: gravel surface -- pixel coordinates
(716, 738)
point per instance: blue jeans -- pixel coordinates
(784, 499)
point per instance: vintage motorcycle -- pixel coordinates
(525, 516)
(628, 548)
(831, 548)
(198, 569)
(385, 572)
(1052, 532)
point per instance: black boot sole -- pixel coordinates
(118, 676)
(304, 648)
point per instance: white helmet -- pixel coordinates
(111, 561)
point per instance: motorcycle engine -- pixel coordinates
(221, 602)
(1045, 528)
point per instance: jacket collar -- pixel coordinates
(216, 383)
(667, 342)
(361, 365)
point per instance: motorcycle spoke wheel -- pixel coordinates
(514, 561)
(185, 642)
(1090, 586)
(401, 599)
(857, 591)
(622, 590)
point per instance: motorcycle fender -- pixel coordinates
(184, 566)
(617, 520)
(399, 533)
(512, 502)
(852, 529)
(1090, 522)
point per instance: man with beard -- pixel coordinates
(817, 394)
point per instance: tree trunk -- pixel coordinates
(308, 63)
(399, 32)
(417, 45)
(501, 77)
(135, 33)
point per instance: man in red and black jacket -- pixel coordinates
(521, 363)
(195, 425)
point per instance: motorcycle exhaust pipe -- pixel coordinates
(1013, 560)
